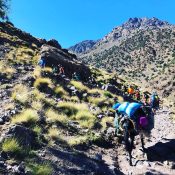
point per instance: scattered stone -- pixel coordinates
(1, 121)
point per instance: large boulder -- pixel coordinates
(55, 56)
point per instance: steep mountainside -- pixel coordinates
(141, 50)
(82, 46)
(50, 123)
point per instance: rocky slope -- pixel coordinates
(82, 46)
(51, 124)
(141, 50)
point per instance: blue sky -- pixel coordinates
(72, 21)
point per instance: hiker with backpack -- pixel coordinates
(42, 62)
(154, 101)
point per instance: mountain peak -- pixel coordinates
(133, 23)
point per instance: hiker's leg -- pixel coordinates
(142, 142)
(132, 140)
(127, 143)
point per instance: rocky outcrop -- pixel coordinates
(54, 43)
(55, 56)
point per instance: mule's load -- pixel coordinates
(138, 114)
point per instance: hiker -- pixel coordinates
(137, 95)
(154, 101)
(42, 62)
(61, 70)
(131, 91)
(145, 98)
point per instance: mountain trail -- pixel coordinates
(160, 149)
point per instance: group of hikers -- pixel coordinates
(144, 97)
(58, 69)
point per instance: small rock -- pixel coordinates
(21, 167)
(173, 165)
(1, 121)
(9, 167)
(2, 164)
(4, 155)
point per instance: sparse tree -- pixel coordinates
(4, 7)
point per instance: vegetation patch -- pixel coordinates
(68, 108)
(60, 91)
(12, 146)
(80, 86)
(53, 116)
(54, 133)
(28, 116)
(108, 94)
(85, 119)
(43, 83)
(21, 94)
(40, 169)
(6, 70)
(105, 121)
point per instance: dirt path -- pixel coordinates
(160, 155)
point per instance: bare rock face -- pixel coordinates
(55, 56)
(54, 43)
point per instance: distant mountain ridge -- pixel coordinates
(141, 50)
(83, 46)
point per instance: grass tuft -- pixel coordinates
(40, 169)
(54, 133)
(21, 93)
(80, 86)
(41, 83)
(11, 145)
(106, 120)
(85, 119)
(28, 116)
(60, 91)
(108, 94)
(53, 116)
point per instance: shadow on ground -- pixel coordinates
(162, 151)
(80, 164)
